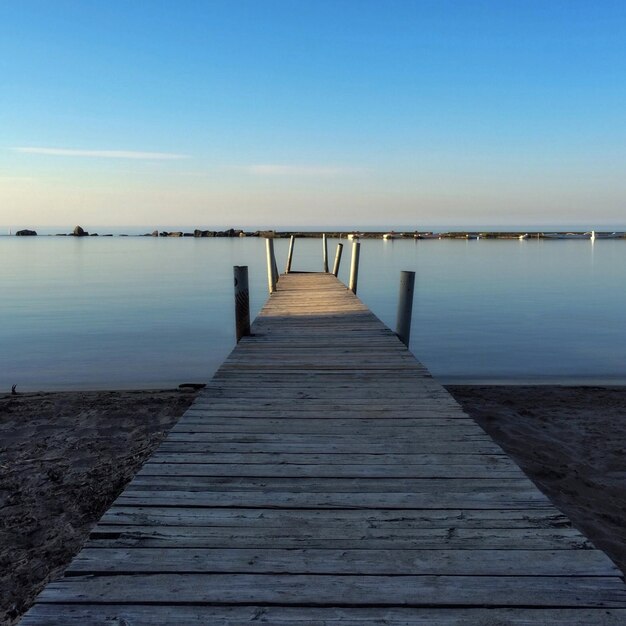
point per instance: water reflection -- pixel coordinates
(121, 312)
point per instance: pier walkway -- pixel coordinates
(323, 477)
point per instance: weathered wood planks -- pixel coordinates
(323, 477)
(348, 590)
(234, 615)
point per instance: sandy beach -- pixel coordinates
(572, 442)
(65, 456)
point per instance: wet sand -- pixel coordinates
(65, 456)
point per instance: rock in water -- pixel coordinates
(25, 233)
(79, 232)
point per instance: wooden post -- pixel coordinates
(337, 259)
(274, 265)
(405, 306)
(354, 268)
(289, 255)
(242, 302)
(271, 276)
(325, 252)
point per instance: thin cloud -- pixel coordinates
(297, 170)
(102, 154)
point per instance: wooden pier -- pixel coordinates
(323, 477)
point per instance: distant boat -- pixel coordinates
(613, 235)
(352, 236)
(390, 235)
(565, 235)
(524, 236)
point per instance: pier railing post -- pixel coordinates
(354, 267)
(405, 306)
(289, 255)
(337, 259)
(271, 275)
(275, 265)
(325, 252)
(242, 301)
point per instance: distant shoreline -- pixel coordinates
(348, 235)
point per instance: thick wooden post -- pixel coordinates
(274, 265)
(271, 276)
(325, 252)
(354, 267)
(242, 302)
(289, 255)
(405, 306)
(337, 259)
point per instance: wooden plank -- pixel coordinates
(496, 461)
(293, 406)
(275, 410)
(296, 499)
(376, 404)
(336, 538)
(271, 470)
(205, 484)
(354, 520)
(358, 426)
(480, 562)
(543, 591)
(185, 615)
(326, 428)
(328, 447)
(396, 441)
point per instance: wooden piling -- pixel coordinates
(337, 259)
(275, 265)
(405, 306)
(325, 252)
(242, 301)
(271, 275)
(290, 255)
(354, 267)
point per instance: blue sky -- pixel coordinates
(296, 113)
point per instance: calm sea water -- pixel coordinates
(140, 312)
